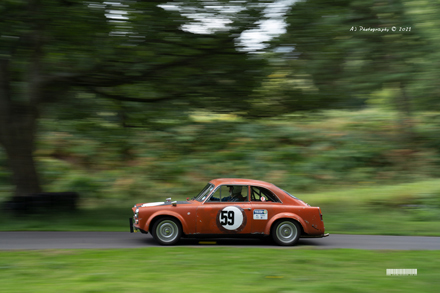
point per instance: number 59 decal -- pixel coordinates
(231, 219)
(227, 218)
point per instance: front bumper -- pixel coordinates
(132, 229)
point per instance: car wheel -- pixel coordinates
(286, 232)
(167, 231)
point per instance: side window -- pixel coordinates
(230, 193)
(262, 194)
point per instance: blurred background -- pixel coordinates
(136, 101)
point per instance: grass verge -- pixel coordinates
(401, 209)
(177, 269)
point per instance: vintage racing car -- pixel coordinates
(231, 208)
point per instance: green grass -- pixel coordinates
(404, 209)
(399, 193)
(228, 270)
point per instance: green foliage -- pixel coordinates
(327, 150)
(4, 174)
(354, 53)
(383, 98)
(81, 183)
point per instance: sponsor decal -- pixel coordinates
(231, 219)
(260, 214)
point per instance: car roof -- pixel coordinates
(241, 181)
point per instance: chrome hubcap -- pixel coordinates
(167, 231)
(286, 232)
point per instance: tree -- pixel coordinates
(352, 48)
(126, 51)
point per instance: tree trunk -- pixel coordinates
(18, 116)
(17, 136)
(404, 112)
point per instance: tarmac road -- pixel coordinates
(105, 240)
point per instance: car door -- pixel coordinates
(221, 214)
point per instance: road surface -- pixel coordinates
(104, 240)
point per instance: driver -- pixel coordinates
(235, 194)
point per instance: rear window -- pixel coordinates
(295, 197)
(262, 194)
(290, 195)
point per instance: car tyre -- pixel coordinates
(286, 232)
(167, 231)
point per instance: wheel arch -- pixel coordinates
(156, 216)
(288, 216)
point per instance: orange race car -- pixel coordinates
(231, 208)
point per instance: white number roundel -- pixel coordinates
(231, 218)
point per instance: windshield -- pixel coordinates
(205, 191)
